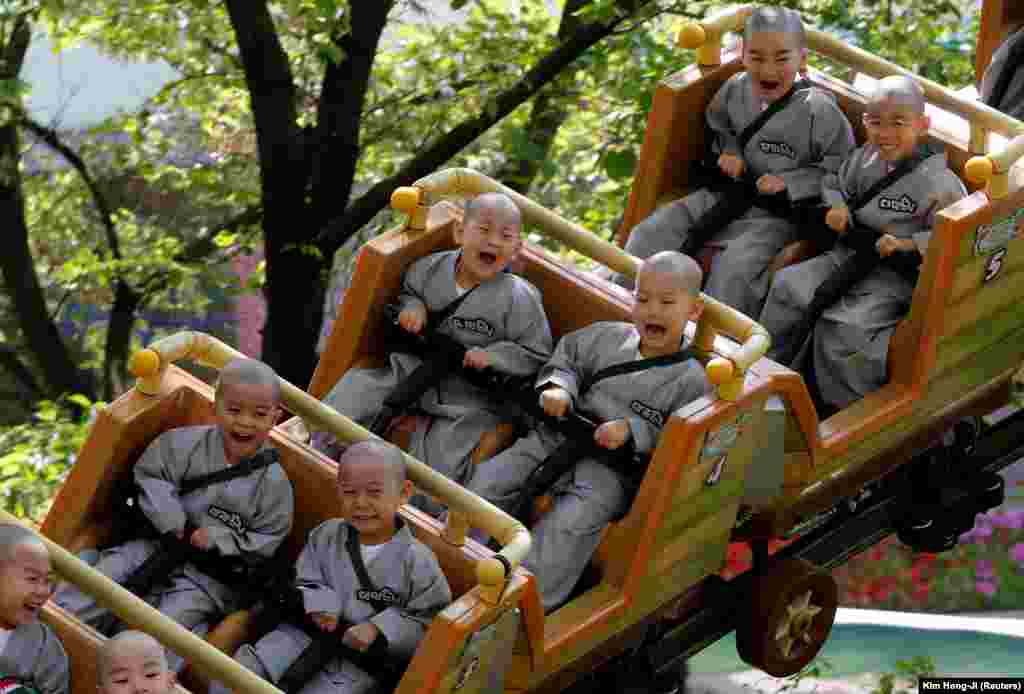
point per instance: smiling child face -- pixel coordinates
(25, 584)
(661, 308)
(245, 412)
(490, 239)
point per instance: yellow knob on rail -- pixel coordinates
(144, 363)
(691, 36)
(720, 370)
(979, 170)
(405, 199)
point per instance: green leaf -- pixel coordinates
(80, 399)
(620, 164)
(329, 52)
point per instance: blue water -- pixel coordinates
(854, 649)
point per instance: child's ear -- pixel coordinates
(457, 231)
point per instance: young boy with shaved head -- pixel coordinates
(467, 295)
(782, 136)
(896, 185)
(133, 662)
(244, 518)
(387, 618)
(631, 408)
(31, 655)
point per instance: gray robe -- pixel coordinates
(851, 341)
(592, 495)
(403, 567)
(505, 316)
(801, 144)
(35, 656)
(1012, 102)
(247, 516)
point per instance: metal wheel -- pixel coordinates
(793, 608)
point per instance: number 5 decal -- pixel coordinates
(994, 265)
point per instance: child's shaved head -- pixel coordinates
(133, 663)
(249, 372)
(775, 19)
(497, 201)
(898, 89)
(135, 643)
(13, 536)
(682, 268)
(373, 451)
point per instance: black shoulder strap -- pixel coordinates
(628, 367)
(437, 319)
(262, 459)
(1014, 62)
(902, 169)
(754, 127)
(356, 557)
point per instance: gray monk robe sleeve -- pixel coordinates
(311, 579)
(405, 625)
(564, 370)
(836, 187)
(528, 343)
(269, 525)
(158, 474)
(831, 140)
(54, 673)
(718, 119)
(413, 285)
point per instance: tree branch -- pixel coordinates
(50, 137)
(9, 360)
(360, 212)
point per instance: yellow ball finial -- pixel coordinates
(144, 363)
(719, 370)
(490, 572)
(691, 36)
(979, 170)
(405, 199)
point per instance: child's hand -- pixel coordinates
(556, 401)
(412, 319)
(613, 434)
(889, 244)
(476, 359)
(180, 533)
(325, 621)
(770, 184)
(361, 636)
(838, 218)
(200, 538)
(731, 165)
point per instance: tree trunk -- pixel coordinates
(41, 335)
(547, 114)
(295, 285)
(119, 339)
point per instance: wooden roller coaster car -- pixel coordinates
(954, 355)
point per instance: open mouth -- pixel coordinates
(242, 438)
(488, 259)
(655, 331)
(769, 86)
